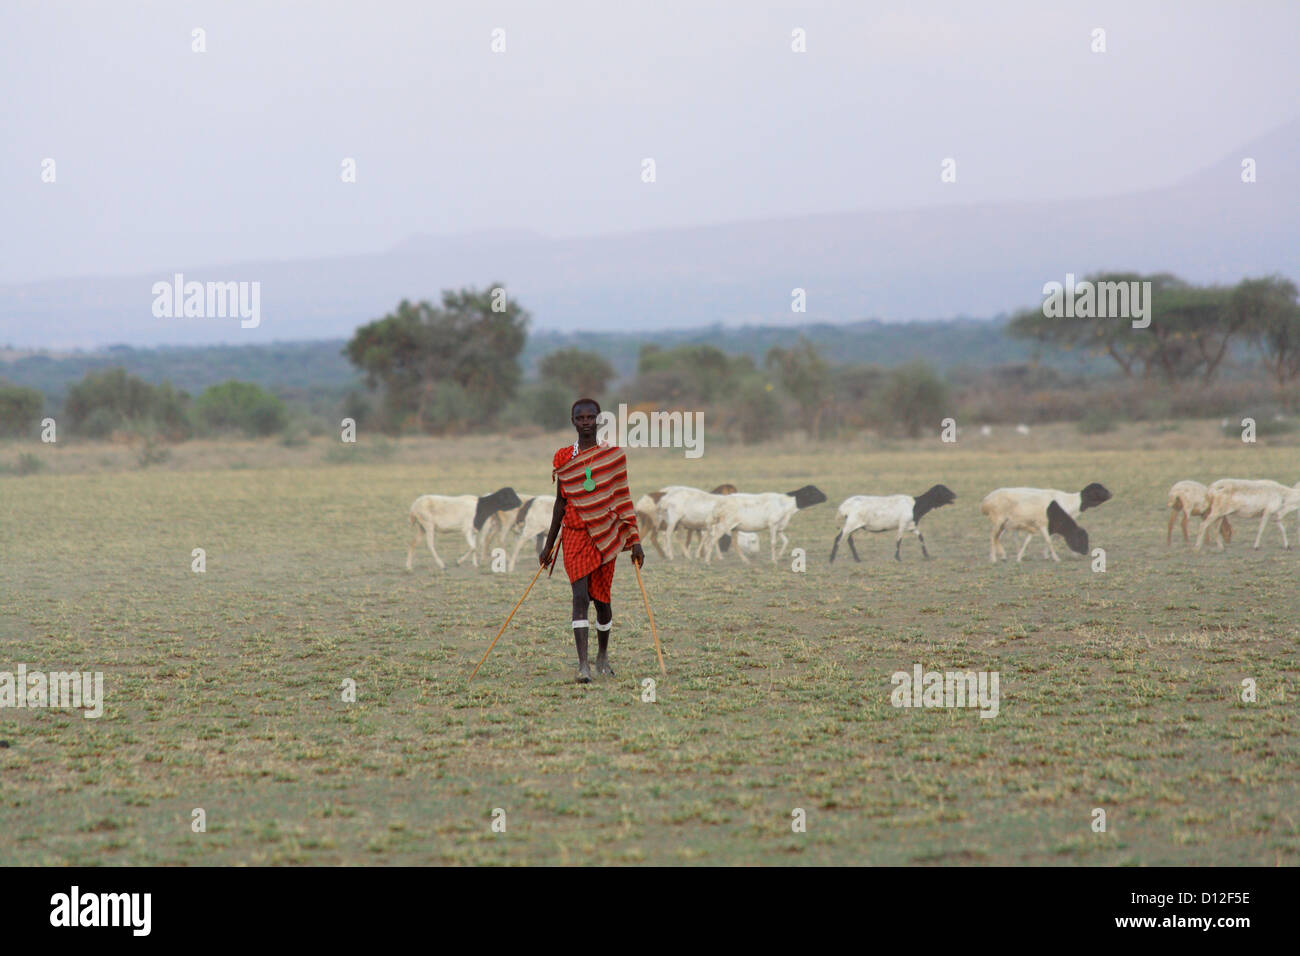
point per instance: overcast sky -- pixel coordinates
(167, 158)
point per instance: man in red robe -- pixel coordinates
(594, 507)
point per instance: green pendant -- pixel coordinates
(589, 484)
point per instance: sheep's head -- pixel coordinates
(503, 499)
(936, 497)
(1058, 522)
(1093, 495)
(724, 490)
(806, 497)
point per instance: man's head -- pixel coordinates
(584, 413)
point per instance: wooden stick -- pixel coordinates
(536, 574)
(650, 614)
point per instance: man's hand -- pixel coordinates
(546, 551)
(638, 556)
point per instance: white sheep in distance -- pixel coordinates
(1044, 511)
(1191, 498)
(463, 514)
(876, 513)
(1249, 499)
(769, 512)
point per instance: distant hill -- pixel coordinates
(933, 262)
(306, 370)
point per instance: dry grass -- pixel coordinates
(1119, 690)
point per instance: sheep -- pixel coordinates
(1044, 511)
(771, 512)
(1249, 499)
(465, 514)
(496, 530)
(1191, 498)
(874, 513)
(690, 508)
(533, 520)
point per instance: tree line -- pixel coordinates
(454, 367)
(1192, 331)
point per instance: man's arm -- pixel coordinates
(557, 518)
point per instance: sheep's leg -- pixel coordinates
(1206, 525)
(1225, 531)
(785, 543)
(739, 550)
(519, 545)
(669, 528)
(1021, 553)
(1048, 538)
(835, 546)
(1262, 523)
(654, 540)
(994, 546)
(920, 537)
(1286, 545)
(428, 537)
(472, 539)
(1173, 518)
(853, 547)
(416, 534)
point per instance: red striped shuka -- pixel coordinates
(598, 524)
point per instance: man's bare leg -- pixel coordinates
(581, 603)
(604, 623)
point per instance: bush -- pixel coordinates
(27, 464)
(913, 398)
(756, 412)
(1096, 423)
(106, 401)
(152, 452)
(20, 410)
(240, 406)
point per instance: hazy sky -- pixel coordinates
(167, 158)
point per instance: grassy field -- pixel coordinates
(1119, 690)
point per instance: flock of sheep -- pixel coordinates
(725, 516)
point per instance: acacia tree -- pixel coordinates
(468, 348)
(1191, 329)
(1270, 313)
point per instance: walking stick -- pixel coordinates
(650, 614)
(536, 574)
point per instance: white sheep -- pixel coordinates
(769, 512)
(532, 520)
(464, 514)
(689, 508)
(1044, 511)
(1191, 498)
(1249, 499)
(498, 527)
(876, 513)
